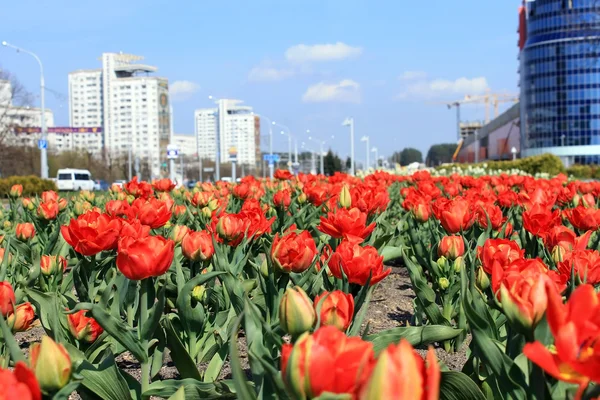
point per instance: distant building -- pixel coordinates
(186, 143)
(560, 79)
(469, 128)
(495, 141)
(12, 116)
(131, 106)
(239, 129)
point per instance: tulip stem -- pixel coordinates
(145, 378)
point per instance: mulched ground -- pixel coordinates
(391, 306)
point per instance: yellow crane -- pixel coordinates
(494, 99)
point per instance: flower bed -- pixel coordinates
(262, 289)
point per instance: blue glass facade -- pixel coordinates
(560, 79)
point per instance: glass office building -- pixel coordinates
(560, 79)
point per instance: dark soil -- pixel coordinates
(391, 307)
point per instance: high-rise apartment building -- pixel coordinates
(131, 106)
(238, 127)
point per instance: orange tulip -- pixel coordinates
(145, 257)
(336, 310)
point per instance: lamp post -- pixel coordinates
(350, 122)
(321, 143)
(218, 139)
(376, 151)
(366, 139)
(514, 153)
(44, 142)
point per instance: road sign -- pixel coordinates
(172, 151)
(232, 154)
(42, 144)
(271, 158)
(209, 169)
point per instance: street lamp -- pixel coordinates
(376, 151)
(514, 153)
(350, 122)
(289, 135)
(43, 144)
(218, 139)
(366, 139)
(321, 143)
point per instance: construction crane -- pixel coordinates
(494, 98)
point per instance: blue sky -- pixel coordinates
(307, 64)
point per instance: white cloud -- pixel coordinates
(346, 91)
(182, 90)
(302, 53)
(430, 89)
(413, 75)
(269, 74)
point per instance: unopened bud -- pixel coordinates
(302, 198)
(199, 293)
(444, 283)
(296, 312)
(442, 262)
(558, 254)
(206, 212)
(51, 364)
(482, 280)
(345, 198)
(459, 264)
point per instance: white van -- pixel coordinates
(74, 179)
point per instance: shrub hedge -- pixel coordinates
(584, 171)
(545, 163)
(32, 185)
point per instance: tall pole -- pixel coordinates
(218, 141)
(351, 146)
(476, 148)
(457, 121)
(271, 162)
(313, 169)
(290, 151)
(44, 133)
(322, 164)
(296, 150)
(367, 139)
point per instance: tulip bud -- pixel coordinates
(302, 198)
(21, 320)
(442, 262)
(1, 238)
(50, 265)
(443, 283)
(28, 204)
(7, 225)
(336, 310)
(206, 212)
(459, 264)
(421, 212)
(84, 328)
(264, 268)
(296, 312)
(25, 231)
(482, 280)
(7, 298)
(558, 254)
(51, 364)
(199, 293)
(16, 191)
(213, 204)
(345, 198)
(130, 198)
(451, 247)
(179, 232)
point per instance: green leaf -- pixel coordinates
(391, 253)
(66, 391)
(194, 390)
(185, 364)
(242, 386)
(51, 311)
(154, 316)
(416, 335)
(105, 380)
(179, 394)
(117, 329)
(10, 341)
(359, 317)
(458, 386)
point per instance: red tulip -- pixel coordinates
(540, 220)
(357, 263)
(326, 361)
(401, 373)
(498, 251)
(92, 233)
(48, 210)
(163, 185)
(151, 212)
(282, 199)
(575, 326)
(19, 383)
(22, 318)
(231, 228)
(49, 196)
(134, 228)
(346, 223)
(451, 247)
(293, 252)
(197, 246)
(7, 298)
(455, 215)
(336, 310)
(283, 174)
(492, 213)
(145, 257)
(138, 189)
(84, 328)
(117, 208)
(25, 231)
(583, 218)
(584, 263)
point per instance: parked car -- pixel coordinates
(74, 179)
(191, 184)
(101, 185)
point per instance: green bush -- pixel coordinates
(545, 163)
(582, 171)
(32, 185)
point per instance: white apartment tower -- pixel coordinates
(131, 106)
(239, 129)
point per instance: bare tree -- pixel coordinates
(12, 94)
